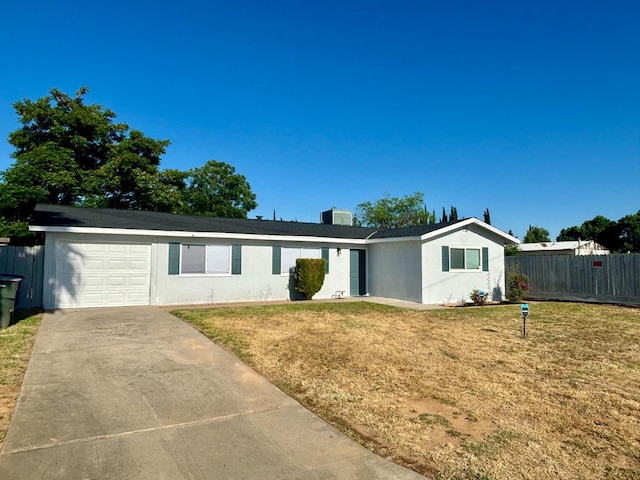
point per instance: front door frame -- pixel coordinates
(357, 272)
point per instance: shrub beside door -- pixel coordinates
(309, 276)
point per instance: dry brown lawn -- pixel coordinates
(457, 393)
(16, 343)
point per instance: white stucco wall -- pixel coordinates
(440, 287)
(255, 283)
(395, 270)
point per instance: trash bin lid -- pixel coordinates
(6, 277)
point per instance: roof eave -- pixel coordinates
(174, 233)
(394, 239)
(465, 223)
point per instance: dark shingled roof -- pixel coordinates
(65, 216)
(415, 231)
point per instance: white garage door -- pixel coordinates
(102, 274)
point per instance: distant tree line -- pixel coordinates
(617, 236)
(397, 212)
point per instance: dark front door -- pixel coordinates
(358, 273)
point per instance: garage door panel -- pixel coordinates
(95, 275)
(116, 282)
(135, 281)
(139, 298)
(80, 264)
(138, 265)
(87, 247)
(91, 281)
(91, 299)
(90, 264)
(116, 264)
(116, 298)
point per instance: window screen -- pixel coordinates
(193, 259)
(218, 259)
(473, 259)
(288, 259)
(457, 258)
(289, 256)
(212, 259)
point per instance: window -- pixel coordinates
(193, 259)
(465, 258)
(284, 259)
(457, 258)
(289, 256)
(204, 259)
(454, 258)
(473, 259)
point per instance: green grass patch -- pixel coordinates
(16, 342)
(434, 419)
(230, 338)
(493, 443)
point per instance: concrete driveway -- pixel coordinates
(135, 393)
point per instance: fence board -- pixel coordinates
(590, 278)
(27, 262)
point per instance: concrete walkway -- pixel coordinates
(392, 302)
(134, 393)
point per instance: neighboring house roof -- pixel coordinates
(58, 218)
(548, 246)
(572, 245)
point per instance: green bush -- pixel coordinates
(478, 296)
(309, 276)
(517, 288)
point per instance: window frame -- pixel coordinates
(465, 258)
(301, 254)
(208, 247)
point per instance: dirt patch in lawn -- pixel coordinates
(448, 424)
(8, 396)
(458, 393)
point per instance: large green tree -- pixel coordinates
(628, 233)
(620, 236)
(394, 212)
(536, 235)
(598, 229)
(69, 152)
(216, 190)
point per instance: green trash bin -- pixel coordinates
(9, 285)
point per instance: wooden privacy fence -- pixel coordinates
(590, 278)
(28, 263)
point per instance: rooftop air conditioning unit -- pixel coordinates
(336, 217)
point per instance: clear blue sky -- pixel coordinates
(530, 109)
